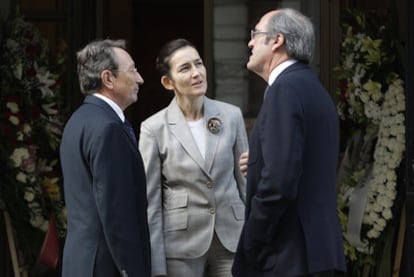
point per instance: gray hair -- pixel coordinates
(298, 32)
(93, 59)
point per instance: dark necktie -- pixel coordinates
(130, 130)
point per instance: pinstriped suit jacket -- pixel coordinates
(188, 197)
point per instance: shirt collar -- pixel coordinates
(278, 69)
(113, 105)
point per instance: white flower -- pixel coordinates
(32, 179)
(21, 177)
(387, 214)
(18, 155)
(364, 97)
(45, 81)
(43, 167)
(19, 136)
(29, 194)
(391, 185)
(388, 199)
(391, 176)
(18, 71)
(27, 129)
(14, 120)
(379, 225)
(12, 45)
(48, 108)
(365, 248)
(13, 107)
(39, 222)
(373, 234)
(391, 194)
(349, 61)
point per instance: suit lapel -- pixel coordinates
(99, 102)
(182, 132)
(212, 140)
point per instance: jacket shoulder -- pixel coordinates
(157, 119)
(223, 107)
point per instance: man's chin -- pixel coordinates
(249, 65)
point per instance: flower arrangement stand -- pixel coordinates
(400, 244)
(17, 270)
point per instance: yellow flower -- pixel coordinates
(372, 48)
(361, 20)
(52, 188)
(368, 43)
(349, 36)
(373, 89)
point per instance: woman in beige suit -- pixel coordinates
(196, 191)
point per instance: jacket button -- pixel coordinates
(209, 185)
(212, 210)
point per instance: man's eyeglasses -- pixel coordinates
(254, 33)
(132, 70)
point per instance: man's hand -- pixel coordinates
(243, 162)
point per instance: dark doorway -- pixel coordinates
(154, 24)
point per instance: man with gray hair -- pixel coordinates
(104, 178)
(292, 226)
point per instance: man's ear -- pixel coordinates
(279, 41)
(107, 78)
(167, 83)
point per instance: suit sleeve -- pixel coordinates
(281, 143)
(152, 162)
(240, 146)
(117, 190)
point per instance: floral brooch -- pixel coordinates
(214, 125)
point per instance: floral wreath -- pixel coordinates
(31, 128)
(371, 107)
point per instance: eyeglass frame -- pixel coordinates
(254, 33)
(132, 70)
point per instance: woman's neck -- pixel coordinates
(192, 108)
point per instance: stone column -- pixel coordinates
(230, 36)
(4, 8)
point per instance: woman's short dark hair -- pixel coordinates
(164, 56)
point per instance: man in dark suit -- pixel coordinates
(104, 179)
(292, 226)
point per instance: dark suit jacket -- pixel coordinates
(292, 226)
(105, 193)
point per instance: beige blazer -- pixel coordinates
(188, 197)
